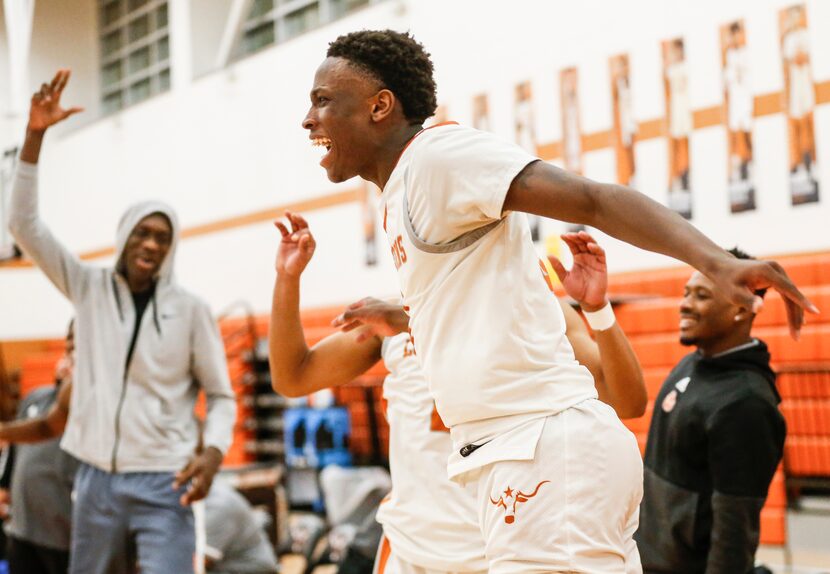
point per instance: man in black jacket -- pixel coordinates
(715, 440)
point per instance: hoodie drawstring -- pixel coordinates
(117, 297)
(155, 314)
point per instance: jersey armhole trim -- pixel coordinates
(459, 243)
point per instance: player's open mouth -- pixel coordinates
(322, 142)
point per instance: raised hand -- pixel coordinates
(46, 110)
(587, 280)
(740, 278)
(297, 246)
(378, 317)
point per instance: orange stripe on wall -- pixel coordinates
(270, 214)
(823, 92)
(708, 117)
(550, 150)
(597, 141)
(768, 104)
(651, 129)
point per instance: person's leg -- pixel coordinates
(23, 557)
(569, 509)
(100, 540)
(164, 530)
(54, 561)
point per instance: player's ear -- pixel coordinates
(383, 103)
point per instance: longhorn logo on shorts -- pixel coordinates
(518, 497)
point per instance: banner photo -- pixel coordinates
(525, 130)
(571, 128)
(799, 104)
(368, 214)
(680, 124)
(481, 113)
(739, 104)
(625, 126)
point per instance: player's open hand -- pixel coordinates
(587, 280)
(198, 475)
(378, 318)
(297, 246)
(46, 110)
(741, 278)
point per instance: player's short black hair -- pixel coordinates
(741, 254)
(398, 62)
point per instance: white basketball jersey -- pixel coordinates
(429, 521)
(489, 335)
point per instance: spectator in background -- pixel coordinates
(715, 440)
(41, 477)
(236, 539)
(145, 349)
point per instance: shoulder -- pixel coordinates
(745, 409)
(445, 144)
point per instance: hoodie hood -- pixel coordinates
(132, 217)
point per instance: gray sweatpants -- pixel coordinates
(119, 520)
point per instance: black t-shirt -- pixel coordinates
(140, 301)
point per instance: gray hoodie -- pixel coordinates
(138, 418)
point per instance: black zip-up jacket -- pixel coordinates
(715, 440)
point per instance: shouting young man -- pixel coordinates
(522, 412)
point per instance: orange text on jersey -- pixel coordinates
(398, 252)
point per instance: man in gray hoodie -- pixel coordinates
(144, 349)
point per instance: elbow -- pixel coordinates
(286, 386)
(635, 410)
(635, 406)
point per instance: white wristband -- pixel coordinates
(602, 319)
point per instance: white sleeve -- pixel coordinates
(210, 369)
(62, 267)
(458, 179)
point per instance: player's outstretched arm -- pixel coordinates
(546, 190)
(297, 370)
(41, 428)
(617, 373)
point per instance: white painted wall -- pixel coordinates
(231, 143)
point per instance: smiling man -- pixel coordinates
(144, 349)
(714, 443)
(490, 338)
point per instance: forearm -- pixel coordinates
(30, 152)
(622, 374)
(288, 350)
(623, 213)
(28, 431)
(219, 422)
